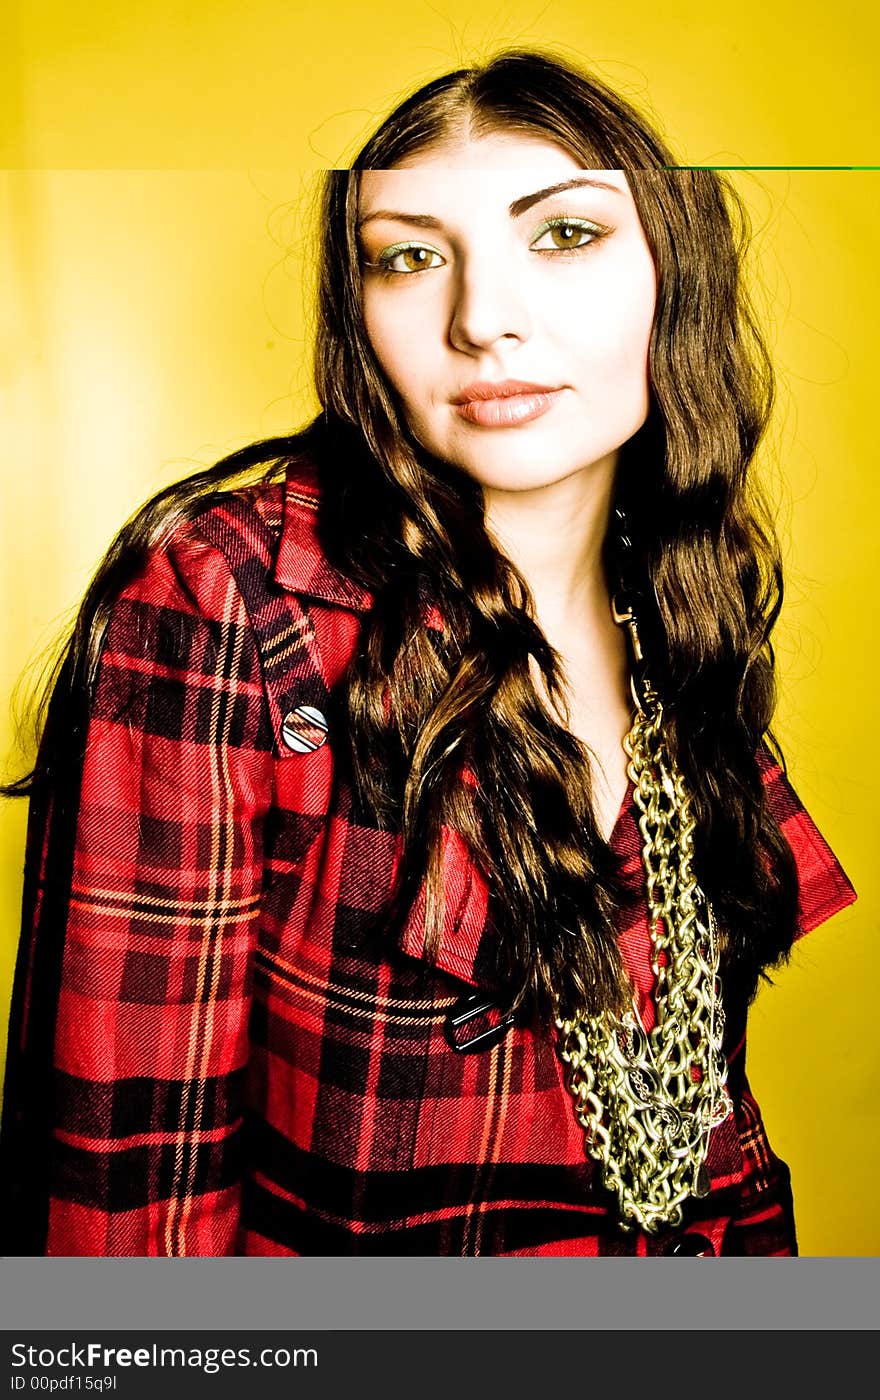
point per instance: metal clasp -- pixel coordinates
(467, 1010)
(624, 613)
(644, 696)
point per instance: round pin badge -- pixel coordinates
(304, 729)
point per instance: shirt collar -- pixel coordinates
(301, 564)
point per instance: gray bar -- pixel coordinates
(442, 1293)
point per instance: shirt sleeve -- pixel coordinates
(129, 1035)
(823, 886)
(764, 1224)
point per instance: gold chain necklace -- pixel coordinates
(647, 1101)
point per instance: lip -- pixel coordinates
(505, 404)
(483, 390)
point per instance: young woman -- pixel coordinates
(407, 839)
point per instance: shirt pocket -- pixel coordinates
(342, 1021)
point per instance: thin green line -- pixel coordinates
(771, 167)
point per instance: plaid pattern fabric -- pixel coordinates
(209, 1052)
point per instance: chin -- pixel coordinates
(535, 473)
(518, 481)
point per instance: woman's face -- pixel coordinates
(478, 270)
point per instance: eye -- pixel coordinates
(410, 257)
(566, 234)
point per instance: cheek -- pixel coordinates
(380, 336)
(398, 344)
(613, 337)
(403, 351)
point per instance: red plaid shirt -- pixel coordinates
(208, 1054)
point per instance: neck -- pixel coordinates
(554, 535)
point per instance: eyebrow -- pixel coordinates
(519, 206)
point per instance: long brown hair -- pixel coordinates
(447, 731)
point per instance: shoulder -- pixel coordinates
(208, 559)
(213, 604)
(196, 563)
(232, 533)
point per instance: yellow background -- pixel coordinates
(159, 168)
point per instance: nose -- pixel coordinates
(488, 306)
